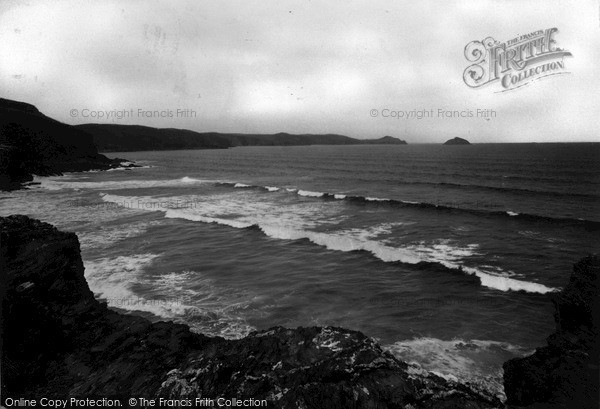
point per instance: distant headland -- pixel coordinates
(33, 144)
(122, 138)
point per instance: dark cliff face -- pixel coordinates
(60, 342)
(31, 143)
(566, 372)
(457, 141)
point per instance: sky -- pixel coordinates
(270, 66)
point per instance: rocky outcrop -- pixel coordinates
(58, 341)
(457, 141)
(387, 140)
(31, 143)
(565, 373)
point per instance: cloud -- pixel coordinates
(311, 66)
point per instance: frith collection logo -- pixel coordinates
(515, 62)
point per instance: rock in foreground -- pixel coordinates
(565, 373)
(58, 341)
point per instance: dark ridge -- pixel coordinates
(387, 140)
(34, 144)
(565, 373)
(60, 342)
(457, 141)
(121, 138)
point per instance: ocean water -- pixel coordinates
(445, 254)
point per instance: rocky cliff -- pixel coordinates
(32, 143)
(565, 373)
(58, 341)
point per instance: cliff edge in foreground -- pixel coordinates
(565, 373)
(59, 342)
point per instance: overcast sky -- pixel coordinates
(299, 66)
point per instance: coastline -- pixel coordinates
(292, 366)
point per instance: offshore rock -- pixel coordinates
(457, 141)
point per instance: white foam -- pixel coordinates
(181, 214)
(308, 193)
(125, 167)
(508, 212)
(187, 179)
(107, 235)
(111, 279)
(444, 251)
(503, 283)
(536, 235)
(341, 242)
(448, 256)
(145, 203)
(477, 362)
(92, 221)
(294, 222)
(234, 210)
(372, 232)
(58, 183)
(207, 308)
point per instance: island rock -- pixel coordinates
(457, 141)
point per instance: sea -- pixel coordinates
(447, 255)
